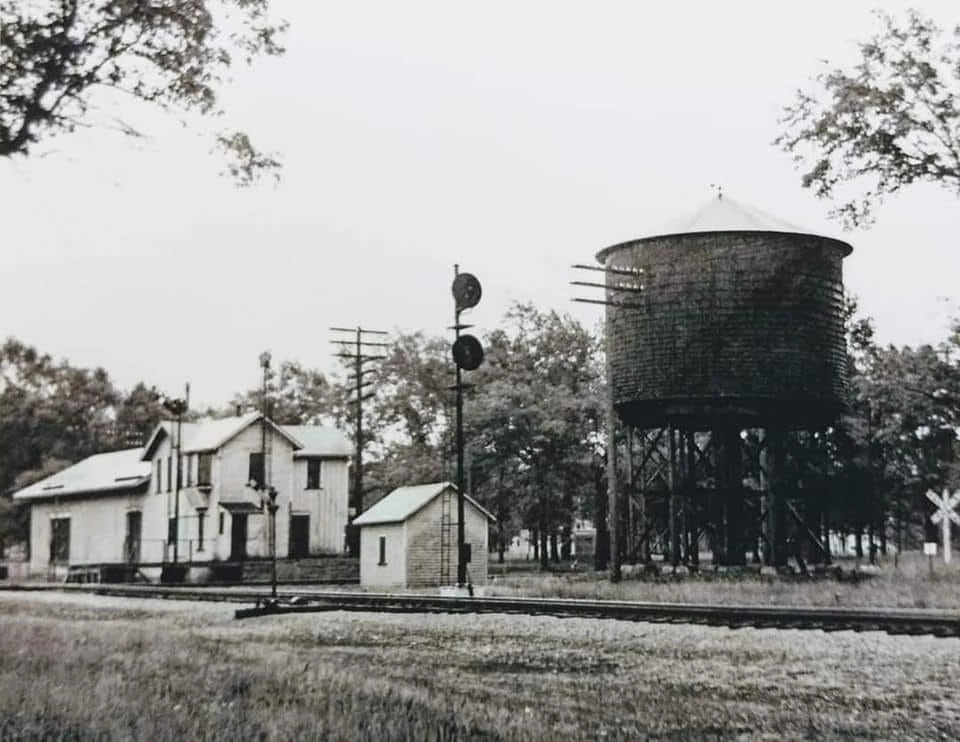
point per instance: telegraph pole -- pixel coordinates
(621, 287)
(359, 351)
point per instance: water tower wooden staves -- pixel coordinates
(726, 366)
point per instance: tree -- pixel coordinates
(900, 438)
(49, 410)
(297, 396)
(413, 387)
(530, 417)
(138, 413)
(890, 121)
(409, 416)
(56, 54)
(51, 415)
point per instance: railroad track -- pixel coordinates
(935, 623)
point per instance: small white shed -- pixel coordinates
(409, 538)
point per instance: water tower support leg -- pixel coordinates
(774, 526)
(683, 469)
(673, 506)
(631, 516)
(613, 490)
(729, 476)
(694, 521)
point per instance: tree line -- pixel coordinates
(534, 432)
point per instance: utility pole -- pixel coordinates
(621, 287)
(359, 351)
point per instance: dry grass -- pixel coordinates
(83, 667)
(909, 584)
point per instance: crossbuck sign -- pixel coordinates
(946, 512)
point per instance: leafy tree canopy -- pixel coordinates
(175, 54)
(296, 396)
(53, 414)
(889, 121)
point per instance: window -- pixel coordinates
(383, 552)
(313, 474)
(255, 470)
(200, 519)
(169, 473)
(189, 470)
(220, 530)
(204, 464)
(159, 475)
(171, 530)
(59, 540)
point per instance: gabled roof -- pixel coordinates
(318, 440)
(403, 502)
(209, 435)
(104, 472)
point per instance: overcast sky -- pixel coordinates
(514, 138)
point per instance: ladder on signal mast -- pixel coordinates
(446, 540)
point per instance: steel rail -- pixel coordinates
(734, 616)
(310, 600)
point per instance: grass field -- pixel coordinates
(907, 584)
(81, 667)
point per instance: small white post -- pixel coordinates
(945, 514)
(946, 541)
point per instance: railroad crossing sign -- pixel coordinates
(946, 512)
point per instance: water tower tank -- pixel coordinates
(740, 321)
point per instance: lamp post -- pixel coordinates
(176, 407)
(272, 508)
(263, 486)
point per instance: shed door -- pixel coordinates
(299, 536)
(60, 541)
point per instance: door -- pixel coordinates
(299, 536)
(131, 544)
(60, 541)
(238, 537)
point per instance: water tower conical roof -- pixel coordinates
(724, 214)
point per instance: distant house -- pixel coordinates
(123, 507)
(409, 538)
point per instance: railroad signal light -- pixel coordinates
(467, 352)
(467, 356)
(466, 291)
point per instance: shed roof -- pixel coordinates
(116, 471)
(403, 502)
(318, 440)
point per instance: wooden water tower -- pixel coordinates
(726, 367)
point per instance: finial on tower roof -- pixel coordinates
(719, 189)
